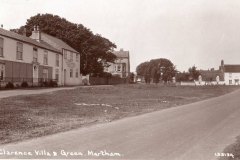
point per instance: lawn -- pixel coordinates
(25, 117)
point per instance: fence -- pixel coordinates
(17, 81)
(107, 81)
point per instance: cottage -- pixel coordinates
(35, 60)
(231, 73)
(121, 66)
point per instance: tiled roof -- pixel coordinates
(209, 75)
(121, 54)
(57, 43)
(232, 68)
(25, 39)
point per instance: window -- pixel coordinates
(119, 68)
(57, 75)
(19, 51)
(65, 54)
(35, 54)
(71, 73)
(71, 56)
(45, 74)
(230, 81)
(2, 71)
(77, 73)
(230, 75)
(57, 60)
(1, 47)
(124, 67)
(77, 57)
(45, 58)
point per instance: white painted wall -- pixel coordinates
(74, 65)
(9, 51)
(233, 77)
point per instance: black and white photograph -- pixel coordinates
(120, 79)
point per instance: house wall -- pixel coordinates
(234, 77)
(113, 67)
(69, 64)
(24, 68)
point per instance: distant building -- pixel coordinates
(231, 73)
(228, 74)
(121, 66)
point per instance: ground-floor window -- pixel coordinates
(57, 75)
(2, 71)
(71, 73)
(45, 74)
(77, 73)
(230, 81)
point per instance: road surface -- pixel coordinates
(190, 132)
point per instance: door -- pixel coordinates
(65, 77)
(35, 74)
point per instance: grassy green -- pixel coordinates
(24, 117)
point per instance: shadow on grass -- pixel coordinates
(234, 149)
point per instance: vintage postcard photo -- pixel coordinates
(120, 79)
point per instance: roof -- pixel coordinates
(57, 43)
(232, 68)
(210, 75)
(25, 39)
(121, 53)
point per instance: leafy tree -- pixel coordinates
(156, 69)
(95, 50)
(193, 73)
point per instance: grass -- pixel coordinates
(25, 117)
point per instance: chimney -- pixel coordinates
(36, 34)
(222, 63)
(222, 66)
(1, 25)
(24, 32)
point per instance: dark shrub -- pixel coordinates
(52, 84)
(24, 84)
(9, 85)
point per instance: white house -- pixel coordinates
(121, 66)
(34, 60)
(231, 73)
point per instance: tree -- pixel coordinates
(156, 69)
(193, 73)
(95, 50)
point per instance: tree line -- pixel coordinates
(95, 50)
(163, 69)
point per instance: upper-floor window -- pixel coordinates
(35, 54)
(71, 73)
(57, 60)
(230, 75)
(71, 56)
(1, 47)
(19, 51)
(65, 54)
(45, 57)
(77, 57)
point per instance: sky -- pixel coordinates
(187, 32)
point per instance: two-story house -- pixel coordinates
(32, 60)
(69, 58)
(121, 66)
